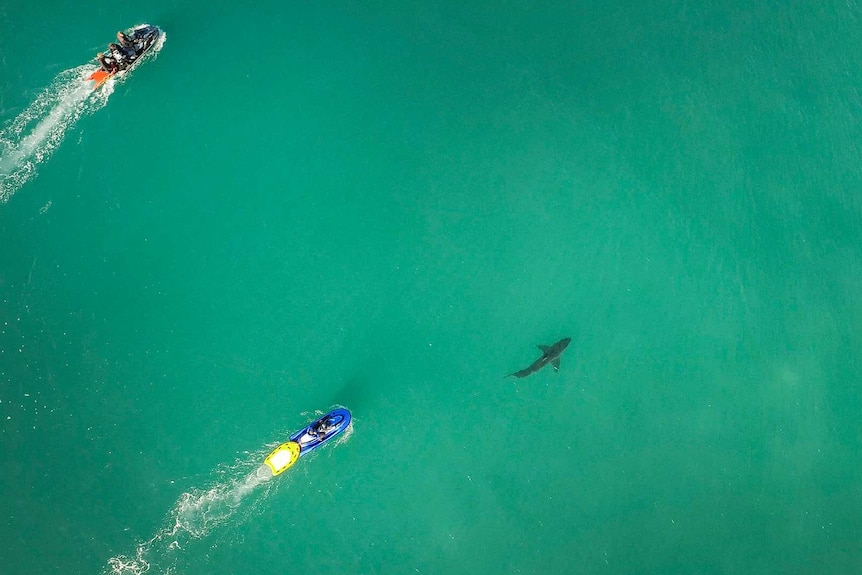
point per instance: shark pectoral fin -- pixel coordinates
(544, 348)
(556, 364)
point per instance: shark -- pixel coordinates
(550, 355)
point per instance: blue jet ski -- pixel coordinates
(319, 432)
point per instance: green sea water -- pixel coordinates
(387, 206)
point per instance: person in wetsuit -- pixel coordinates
(107, 62)
(125, 41)
(121, 56)
(321, 428)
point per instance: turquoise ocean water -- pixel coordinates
(387, 207)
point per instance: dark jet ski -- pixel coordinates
(123, 57)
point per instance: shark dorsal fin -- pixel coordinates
(544, 348)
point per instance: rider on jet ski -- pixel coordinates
(125, 41)
(321, 428)
(107, 63)
(120, 55)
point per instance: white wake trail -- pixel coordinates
(37, 131)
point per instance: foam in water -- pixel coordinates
(37, 131)
(198, 512)
(194, 516)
